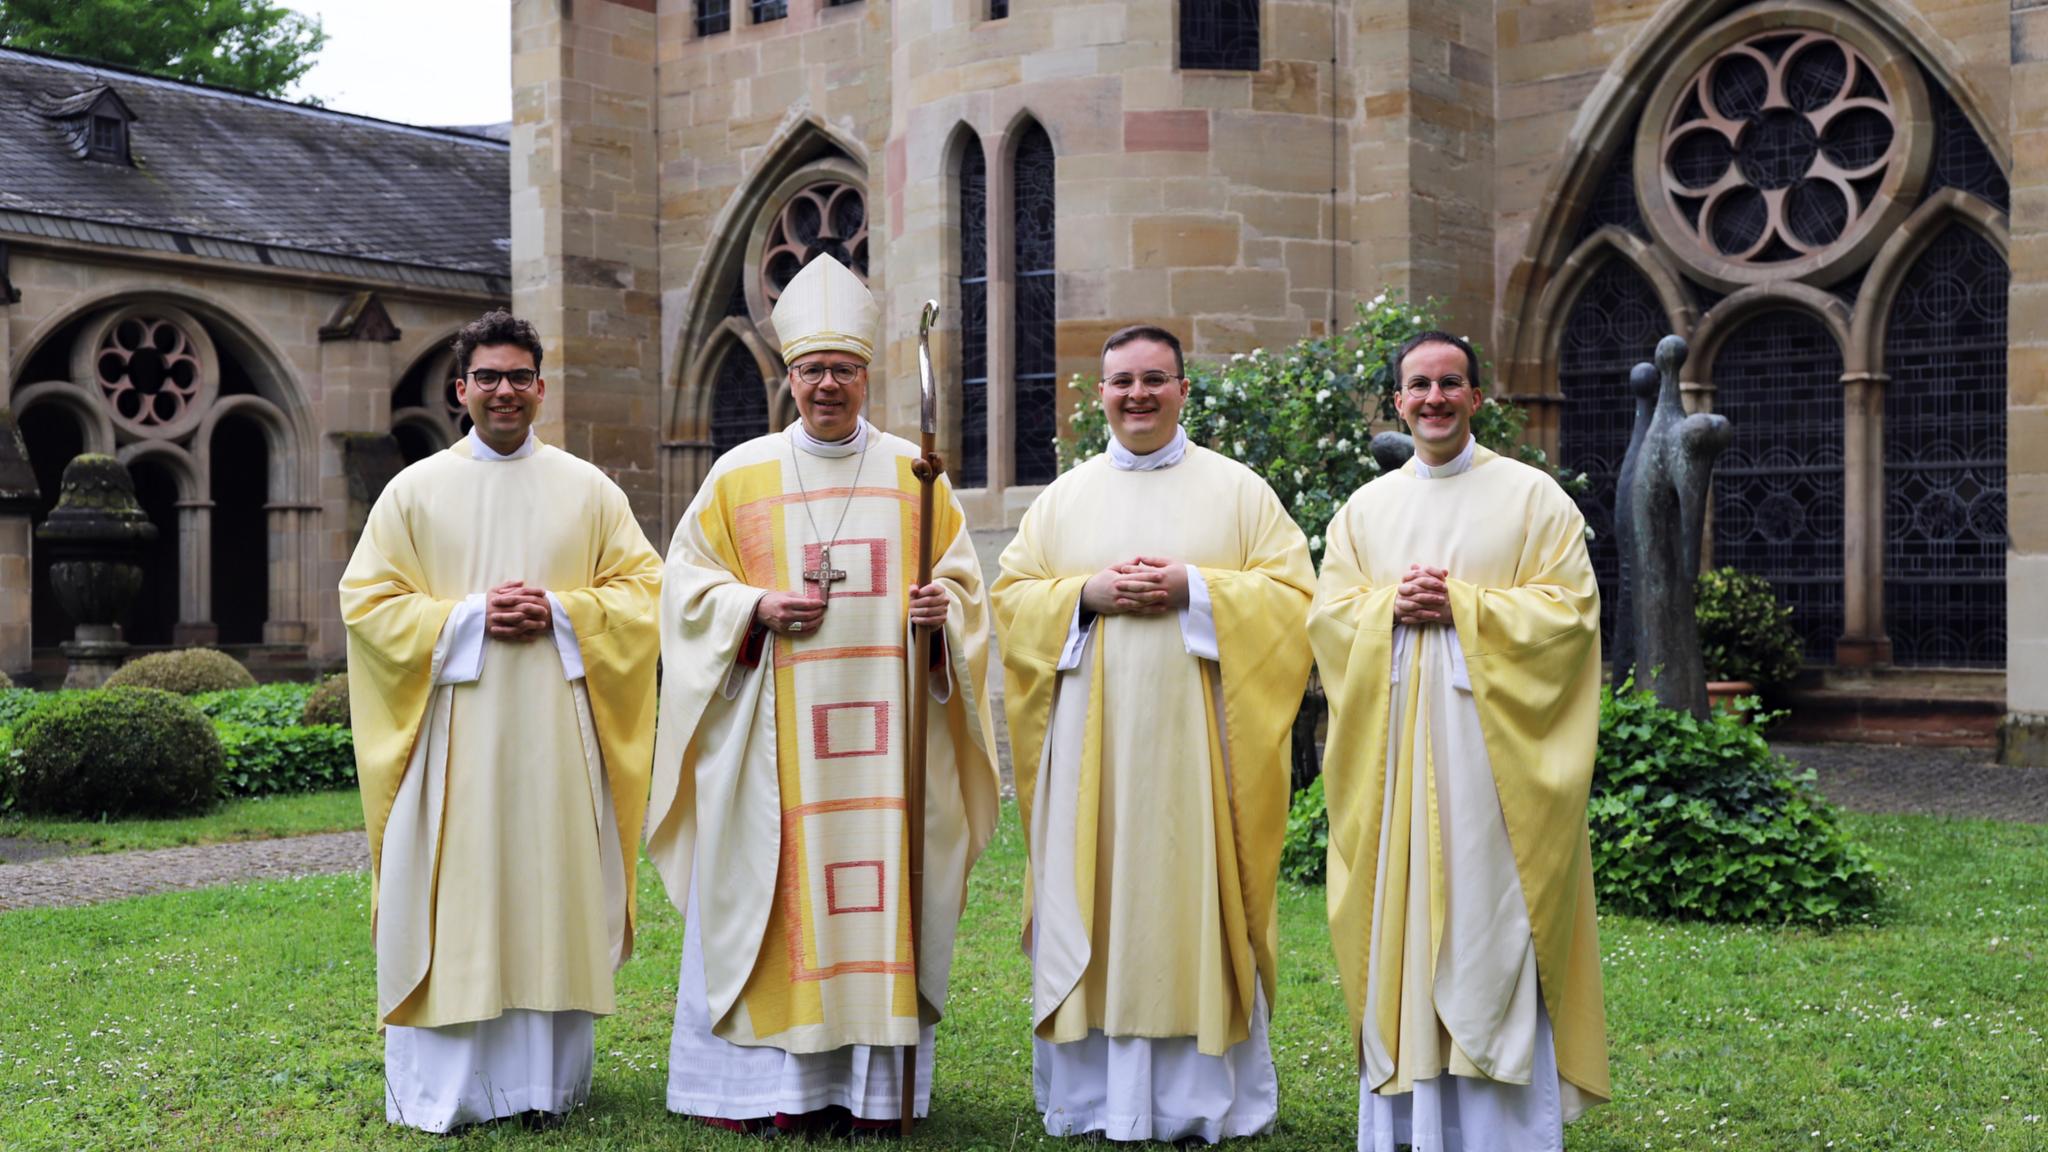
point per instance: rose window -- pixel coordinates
(1777, 153)
(149, 372)
(824, 218)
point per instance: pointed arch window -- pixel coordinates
(973, 470)
(739, 400)
(1036, 315)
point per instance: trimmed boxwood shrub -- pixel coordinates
(266, 761)
(329, 703)
(188, 671)
(118, 752)
(264, 706)
(1700, 819)
(1745, 632)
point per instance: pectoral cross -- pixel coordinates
(824, 575)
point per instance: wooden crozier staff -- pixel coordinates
(926, 469)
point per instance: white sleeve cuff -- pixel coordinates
(1077, 638)
(1198, 619)
(461, 647)
(566, 644)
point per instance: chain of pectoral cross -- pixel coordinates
(825, 575)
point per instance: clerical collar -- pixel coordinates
(850, 446)
(1124, 460)
(482, 451)
(1460, 463)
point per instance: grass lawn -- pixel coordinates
(240, 1018)
(248, 818)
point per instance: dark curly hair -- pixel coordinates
(490, 330)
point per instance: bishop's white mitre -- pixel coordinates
(826, 308)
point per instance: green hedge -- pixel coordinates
(264, 706)
(186, 670)
(264, 761)
(1690, 818)
(120, 752)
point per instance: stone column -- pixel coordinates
(195, 568)
(585, 269)
(1863, 642)
(19, 498)
(285, 622)
(2024, 735)
(356, 377)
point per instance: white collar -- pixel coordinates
(1462, 462)
(482, 451)
(851, 446)
(1124, 460)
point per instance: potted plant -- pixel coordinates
(1746, 637)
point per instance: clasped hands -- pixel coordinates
(1141, 586)
(512, 611)
(796, 613)
(1423, 597)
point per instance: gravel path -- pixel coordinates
(71, 880)
(1927, 781)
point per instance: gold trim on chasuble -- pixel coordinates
(839, 721)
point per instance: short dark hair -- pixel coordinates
(1156, 335)
(493, 329)
(1434, 336)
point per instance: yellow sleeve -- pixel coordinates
(1034, 611)
(393, 626)
(616, 624)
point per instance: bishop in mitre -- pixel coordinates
(778, 820)
(1457, 627)
(1151, 610)
(501, 612)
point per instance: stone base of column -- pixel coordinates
(195, 633)
(284, 632)
(2023, 740)
(1857, 652)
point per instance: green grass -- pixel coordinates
(241, 1018)
(250, 818)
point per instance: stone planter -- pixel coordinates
(95, 534)
(1722, 695)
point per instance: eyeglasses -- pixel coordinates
(1124, 382)
(842, 374)
(488, 379)
(1452, 387)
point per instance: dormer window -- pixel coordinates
(109, 139)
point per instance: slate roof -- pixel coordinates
(233, 176)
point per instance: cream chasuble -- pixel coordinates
(505, 895)
(778, 785)
(1458, 766)
(1153, 783)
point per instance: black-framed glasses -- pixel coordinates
(842, 374)
(1151, 382)
(1451, 386)
(488, 379)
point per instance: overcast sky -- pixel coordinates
(437, 62)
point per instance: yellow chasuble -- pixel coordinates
(505, 902)
(1525, 609)
(778, 787)
(1155, 835)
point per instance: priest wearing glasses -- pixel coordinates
(777, 817)
(501, 610)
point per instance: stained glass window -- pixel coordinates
(764, 11)
(1778, 488)
(1037, 391)
(1944, 457)
(1220, 34)
(1613, 326)
(972, 469)
(713, 17)
(1960, 158)
(739, 400)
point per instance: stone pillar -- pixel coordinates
(1423, 155)
(285, 621)
(19, 498)
(195, 568)
(585, 269)
(356, 378)
(2024, 735)
(1863, 642)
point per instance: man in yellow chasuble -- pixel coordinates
(1457, 627)
(501, 611)
(777, 816)
(1151, 613)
